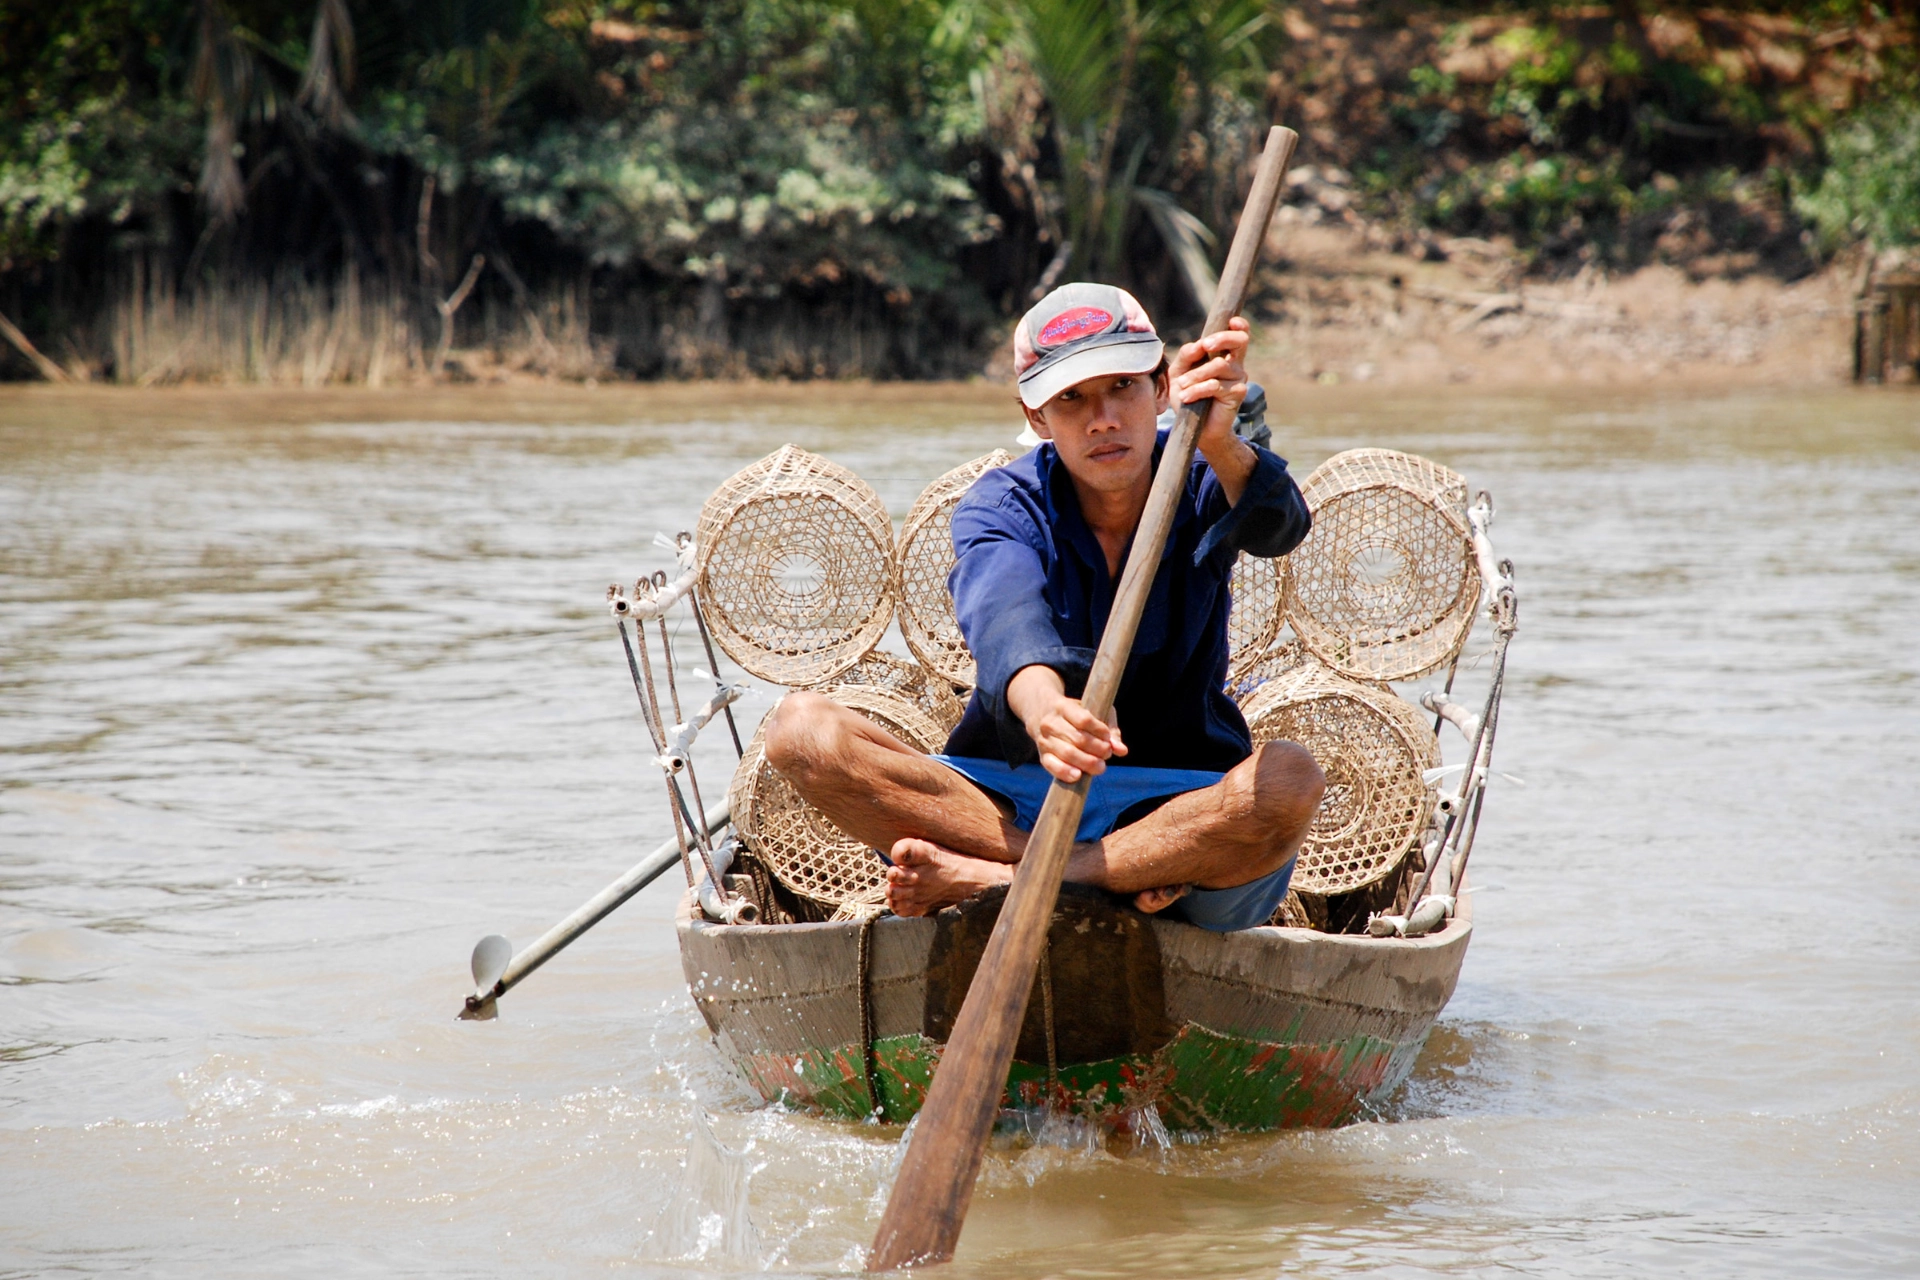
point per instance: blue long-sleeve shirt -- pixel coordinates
(1030, 586)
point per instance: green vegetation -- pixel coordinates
(827, 187)
(1871, 188)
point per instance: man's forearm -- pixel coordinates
(1032, 692)
(1232, 460)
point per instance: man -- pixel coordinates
(1182, 814)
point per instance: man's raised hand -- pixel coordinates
(1213, 368)
(1070, 739)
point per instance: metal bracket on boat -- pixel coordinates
(680, 737)
(652, 597)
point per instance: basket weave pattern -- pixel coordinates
(796, 567)
(1254, 621)
(796, 841)
(1373, 748)
(1385, 585)
(923, 559)
(923, 688)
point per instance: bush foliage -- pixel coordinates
(706, 168)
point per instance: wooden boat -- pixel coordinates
(1266, 1028)
(1134, 1019)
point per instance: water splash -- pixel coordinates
(1149, 1131)
(707, 1215)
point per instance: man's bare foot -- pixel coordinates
(926, 877)
(1152, 900)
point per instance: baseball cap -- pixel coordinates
(1081, 331)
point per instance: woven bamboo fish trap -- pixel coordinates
(795, 841)
(796, 567)
(1385, 585)
(922, 560)
(1256, 586)
(1374, 748)
(924, 689)
(1281, 659)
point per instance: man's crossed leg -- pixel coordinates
(948, 839)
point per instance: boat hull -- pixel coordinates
(1262, 1029)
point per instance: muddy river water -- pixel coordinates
(301, 694)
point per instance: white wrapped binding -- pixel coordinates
(1493, 574)
(1453, 713)
(680, 737)
(726, 910)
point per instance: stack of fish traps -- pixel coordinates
(801, 575)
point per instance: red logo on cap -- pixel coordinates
(1077, 323)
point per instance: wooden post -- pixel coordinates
(1875, 343)
(1911, 355)
(1896, 332)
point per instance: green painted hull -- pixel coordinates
(1198, 1081)
(1267, 1029)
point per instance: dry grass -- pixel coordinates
(301, 333)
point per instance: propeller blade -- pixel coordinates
(490, 957)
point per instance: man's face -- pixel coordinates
(1103, 429)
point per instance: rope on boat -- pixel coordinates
(866, 1014)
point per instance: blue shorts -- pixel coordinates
(1124, 795)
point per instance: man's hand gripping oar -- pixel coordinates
(930, 1196)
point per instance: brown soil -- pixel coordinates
(1341, 308)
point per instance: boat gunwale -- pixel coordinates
(1457, 929)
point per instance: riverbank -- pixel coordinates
(1343, 308)
(1337, 306)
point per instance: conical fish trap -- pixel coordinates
(797, 842)
(922, 560)
(923, 688)
(1385, 585)
(1279, 660)
(796, 567)
(1255, 620)
(1373, 748)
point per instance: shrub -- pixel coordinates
(1871, 187)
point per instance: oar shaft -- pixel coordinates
(930, 1196)
(598, 907)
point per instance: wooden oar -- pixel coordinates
(929, 1201)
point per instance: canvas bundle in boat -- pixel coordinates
(794, 840)
(1374, 748)
(795, 555)
(1384, 586)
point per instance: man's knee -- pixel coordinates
(800, 734)
(1288, 787)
